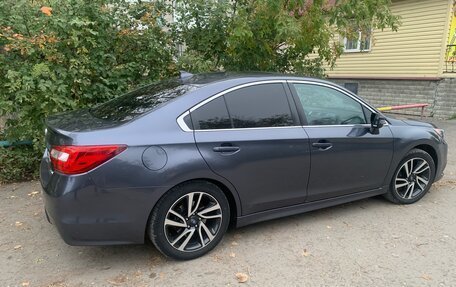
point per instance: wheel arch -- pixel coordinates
(430, 150)
(402, 148)
(234, 208)
(423, 149)
(233, 201)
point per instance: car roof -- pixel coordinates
(210, 78)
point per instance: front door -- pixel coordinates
(251, 137)
(345, 156)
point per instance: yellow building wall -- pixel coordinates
(416, 50)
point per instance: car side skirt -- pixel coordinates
(305, 207)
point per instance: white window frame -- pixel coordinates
(358, 49)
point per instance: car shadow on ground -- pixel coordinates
(319, 215)
(137, 254)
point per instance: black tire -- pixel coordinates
(395, 195)
(159, 234)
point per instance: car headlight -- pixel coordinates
(440, 132)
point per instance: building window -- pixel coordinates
(362, 43)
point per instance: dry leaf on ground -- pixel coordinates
(118, 280)
(242, 277)
(426, 277)
(59, 283)
(33, 193)
(216, 258)
(305, 253)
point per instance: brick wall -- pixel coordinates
(445, 101)
(441, 95)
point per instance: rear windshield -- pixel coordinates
(138, 102)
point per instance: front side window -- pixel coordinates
(263, 105)
(326, 106)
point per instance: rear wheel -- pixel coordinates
(413, 178)
(189, 220)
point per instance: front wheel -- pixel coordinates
(189, 220)
(413, 178)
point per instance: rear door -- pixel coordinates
(251, 136)
(345, 156)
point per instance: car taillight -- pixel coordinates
(80, 159)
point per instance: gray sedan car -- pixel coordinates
(179, 161)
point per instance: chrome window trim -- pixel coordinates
(243, 129)
(335, 126)
(185, 128)
(181, 122)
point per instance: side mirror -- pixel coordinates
(377, 122)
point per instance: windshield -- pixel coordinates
(138, 102)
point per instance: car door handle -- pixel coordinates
(228, 149)
(322, 145)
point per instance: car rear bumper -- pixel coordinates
(86, 214)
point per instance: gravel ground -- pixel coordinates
(365, 243)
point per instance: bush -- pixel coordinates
(63, 55)
(19, 163)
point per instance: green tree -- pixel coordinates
(274, 35)
(63, 55)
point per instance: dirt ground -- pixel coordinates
(365, 243)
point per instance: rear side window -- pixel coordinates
(143, 100)
(263, 105)
(212, 115)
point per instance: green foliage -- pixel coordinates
(64, 55)
(19, 163)
(84, 53)
(275, 35)
(193, 62)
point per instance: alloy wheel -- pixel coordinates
(412, 178)
(193, 221)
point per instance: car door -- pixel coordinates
(345, 156)
(251, 136)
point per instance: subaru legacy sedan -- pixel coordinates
(179, 161)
